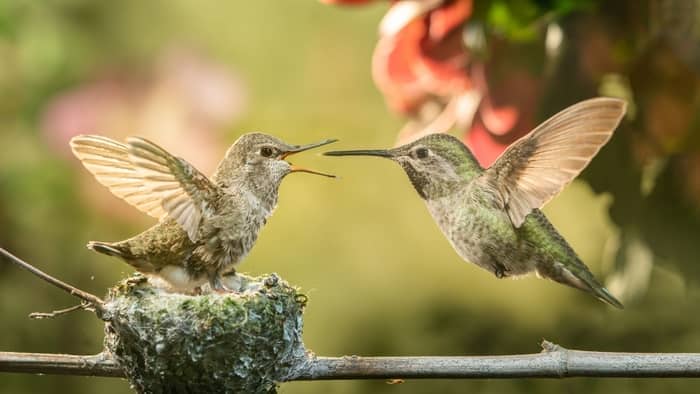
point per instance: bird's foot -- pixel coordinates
(232, 281)
(220, 288)
(227, 283)
(500, 271)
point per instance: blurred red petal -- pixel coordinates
(405, 53)
(404, 12)
(410, 68)
(443, 66)
(482, 144)
(393, 68)
(510, 101)
(498, 120)
(446, 18)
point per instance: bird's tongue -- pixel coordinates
(296, 168)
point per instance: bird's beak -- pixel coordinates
(301, 148)
(361, 152)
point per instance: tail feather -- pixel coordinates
(584, 280)
(122, 251)
(603, 294)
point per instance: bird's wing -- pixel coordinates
(149, 178)
(537, 166)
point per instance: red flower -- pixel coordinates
(420, 55)
(426, 73)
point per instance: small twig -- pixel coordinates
(95, 301)
(52, 314)
(554, 362)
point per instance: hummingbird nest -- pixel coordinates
(246, 341)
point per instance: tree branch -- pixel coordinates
(95, 301)
(554, 362)
(60, 364)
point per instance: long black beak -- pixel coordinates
(301, 148)
(360, 152)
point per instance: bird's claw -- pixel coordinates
(218, 286)
(500, 271)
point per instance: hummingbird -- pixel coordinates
(492, 216)
(206, 225)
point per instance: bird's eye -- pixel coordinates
(266, 151)
(421, 153)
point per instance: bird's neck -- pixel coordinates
(440, 187)
(437, 184)
(264, 190)
(260, 190)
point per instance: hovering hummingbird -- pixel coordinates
(492, 216)
(206, 225)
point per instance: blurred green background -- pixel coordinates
(381, 278)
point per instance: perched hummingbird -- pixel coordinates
(206, 226)
(492, 216)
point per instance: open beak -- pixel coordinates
(361, 152)
(302, 148)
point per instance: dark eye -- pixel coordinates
(421, 153)
(266, 151)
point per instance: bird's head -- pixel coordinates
(263, 157)
(435, 164)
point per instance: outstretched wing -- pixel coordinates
(537, 166)
(149, 178)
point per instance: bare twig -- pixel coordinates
(95, 301)
(60, 364)
(52, 314)
(554, 362)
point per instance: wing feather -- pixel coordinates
(537, 166)
(148, 177)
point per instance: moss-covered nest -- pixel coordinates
(245, 341)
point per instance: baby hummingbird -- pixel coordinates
(207, 225)
(492, 216)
